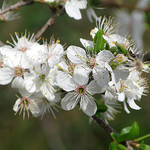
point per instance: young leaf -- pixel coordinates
(128, 133)
(121, 147)
(112, 146)
(144, 147)
(99, 41)
(121, 48)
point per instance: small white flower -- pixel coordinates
(107, 25)
(41, 79)
(45, 105)
(26, 45)
(54, 53)
(79, 91)
(25, 104)
(113, 38)
(15, 69)
(132, 88)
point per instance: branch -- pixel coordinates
(109, 130)
(50, 22)
(105, 126)
(16, 6)
(110, 3)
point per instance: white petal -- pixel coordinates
(101, 75)
(18, 82)
(47, 91)
(81, 74)
(133, 105)
(72, 10)
(80, 4)
(70, 101)
(6, 75)
(121, 97)
(76, 55)
(105, 56)
(31, 84)
(86, 43)
(126, 108)
(16, 105)
(88, 105)
(65, 81)
(35, 110)
(120, 74)
(91, 14)
(93, 88)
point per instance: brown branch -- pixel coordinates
(109, 130)
(17, 5)
(110, 3)
(50, 22)
(105, 126)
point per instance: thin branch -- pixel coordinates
(50, 22)
(105, 126)
(17, 5)
(109, 130)
(110, 3)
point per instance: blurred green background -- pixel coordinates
(71, 130)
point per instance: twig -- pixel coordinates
(110, 3)
(105, 126)
(17, 5)
(48, 23)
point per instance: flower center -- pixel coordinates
(23, 49)
(120, 58)
(25, 101)
(19, 71)
(42, 77)
(91, 62)
(81, 90)
(71, 67)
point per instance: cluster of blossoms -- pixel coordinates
(99, 77)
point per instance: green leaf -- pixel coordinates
(107, 46)
(144, 147)
(99, 41)
(113, 49)
(121, 48)
(121, 147)
(114, 136)
(112, 146)
(128, 133)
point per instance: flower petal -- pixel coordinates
(72, 10)
(6, 75)
(101, 75)
(88, 105)
(65, 81)
(70, 101)
(76, 55)
(93, 88)
(81, 74)
(18, 82)
(133, 105)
